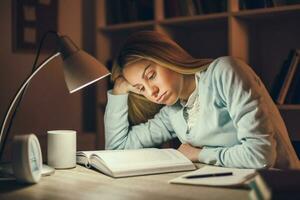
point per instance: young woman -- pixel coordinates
(219, 109)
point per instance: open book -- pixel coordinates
(121, 163)
(208, 176)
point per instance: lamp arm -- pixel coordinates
(19, 93)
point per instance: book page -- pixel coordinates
(83, 158)
(141, 158)
(238, 177)
(85, 153)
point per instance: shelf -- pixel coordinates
(126, 26)
(289, 107)
(280, 11)
(197, 19)
(262, 37)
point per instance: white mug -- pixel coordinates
(61, 152)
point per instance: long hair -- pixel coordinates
(160, 49)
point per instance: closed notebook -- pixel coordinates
(121, 163)
(238, 177)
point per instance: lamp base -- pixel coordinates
(6, 171)
(47, 170)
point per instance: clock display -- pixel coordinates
(27, 158)
(34, 157)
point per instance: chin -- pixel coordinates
(171, 101)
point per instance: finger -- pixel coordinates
(120, 79)
(135, 90)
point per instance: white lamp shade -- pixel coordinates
(81, 69)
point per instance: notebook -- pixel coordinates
(238, 177)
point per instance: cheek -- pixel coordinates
(173, 80)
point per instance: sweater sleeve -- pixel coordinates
(118, 133)
(243, 94)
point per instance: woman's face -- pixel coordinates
(158, 84)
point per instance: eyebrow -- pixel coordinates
(145, 70)
(143, 73)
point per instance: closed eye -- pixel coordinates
(141, 89)
(152, 75)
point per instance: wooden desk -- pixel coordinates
(82, 183)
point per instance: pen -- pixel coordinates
(209, 175)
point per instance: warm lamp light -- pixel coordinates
(80, 70)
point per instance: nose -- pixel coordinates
(153, 91)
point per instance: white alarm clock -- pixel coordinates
(27, 158)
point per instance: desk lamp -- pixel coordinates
(80, 70)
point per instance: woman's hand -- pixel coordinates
(122, 86)
(190, 152)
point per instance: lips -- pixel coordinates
(161, 97)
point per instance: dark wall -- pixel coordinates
(47, 104)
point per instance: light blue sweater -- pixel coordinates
(238, 124)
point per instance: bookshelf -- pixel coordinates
(289, 107)
(262, 37)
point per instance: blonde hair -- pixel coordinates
(158, 48)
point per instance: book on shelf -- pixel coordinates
(214, 6)
(123, 163)
(293, 94)
(291, 69)
(277, 84)
(275, 184)
(255, 4)
(250, 4)
(175, 8)
(120, 11)
(145, 10)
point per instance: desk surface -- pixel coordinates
(82, 183)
